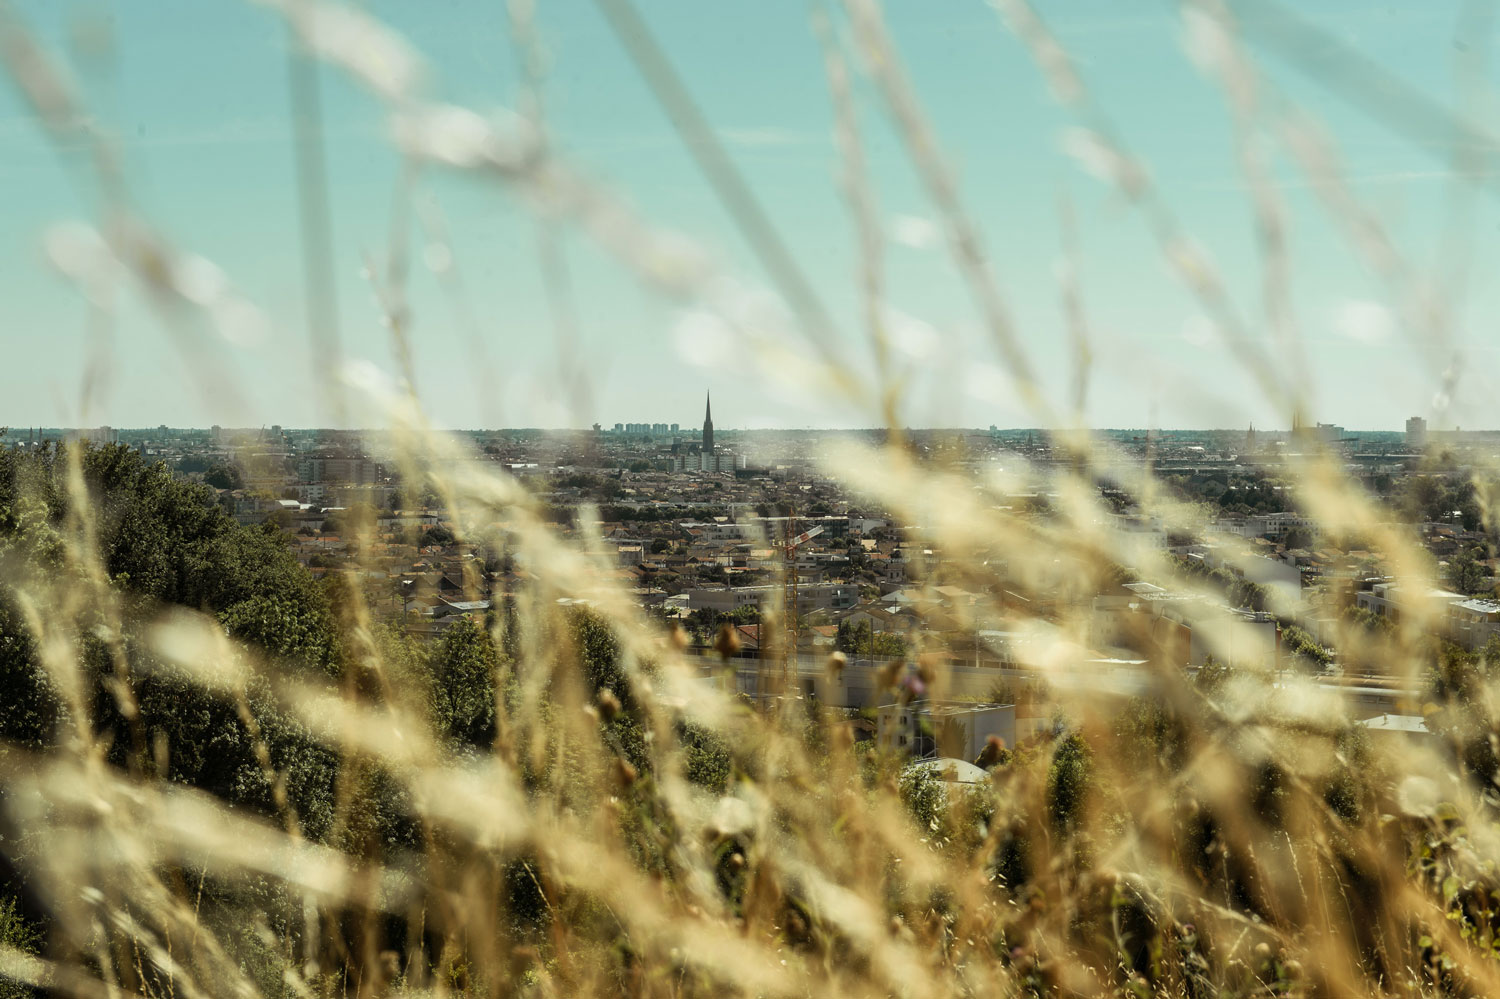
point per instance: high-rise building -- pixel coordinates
(708, 423)
(1416, 432)
(1330, 433)
(99, 435)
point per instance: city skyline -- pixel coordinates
(688, 430)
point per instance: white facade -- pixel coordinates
(1472, 623)
(1235, 639)
(1390, 601)
(1269, 525)
(957, 731)
(717, 460)
(810, 597)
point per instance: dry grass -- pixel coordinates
(1241, 840)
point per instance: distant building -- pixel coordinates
(1393, 602)
(810, 597)
(100, 435)
(1473, 622)
(707, 461)
(1264, 525)
(354, 470)
(655, 429)
(708, 423)
(1281, 578)
(1416, 433)
(950, 731)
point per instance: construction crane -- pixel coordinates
(788, 546)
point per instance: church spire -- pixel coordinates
(708, 423)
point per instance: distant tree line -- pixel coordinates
(1231, 492)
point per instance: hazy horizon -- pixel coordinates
(686, 430)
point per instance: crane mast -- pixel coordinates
(789, 545)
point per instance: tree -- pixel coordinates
(1150, 735)
(285, 627)
(599, 656)
(1068, 782)
(1490, 656)
(1212, 676)
(16, 932)
(223, 476)
(862, 642)
(1304, 647)
(1466, 575)
(163, 540)
(852, 638)
(439, 534)
(706, 760)
(926, 799)
(1298, 537)
(464, 667)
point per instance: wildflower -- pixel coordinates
(728, 642)
(609, 704)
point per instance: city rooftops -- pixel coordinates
(951, 771)
(1408, 724)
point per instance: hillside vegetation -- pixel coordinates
(224, 776)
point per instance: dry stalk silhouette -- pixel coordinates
(548, 833)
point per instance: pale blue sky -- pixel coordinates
(196, 92)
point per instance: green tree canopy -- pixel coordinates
(164, 541)
(224, 476)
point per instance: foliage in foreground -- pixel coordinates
(223, 778)
(528, 807)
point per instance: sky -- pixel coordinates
(194, 95)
